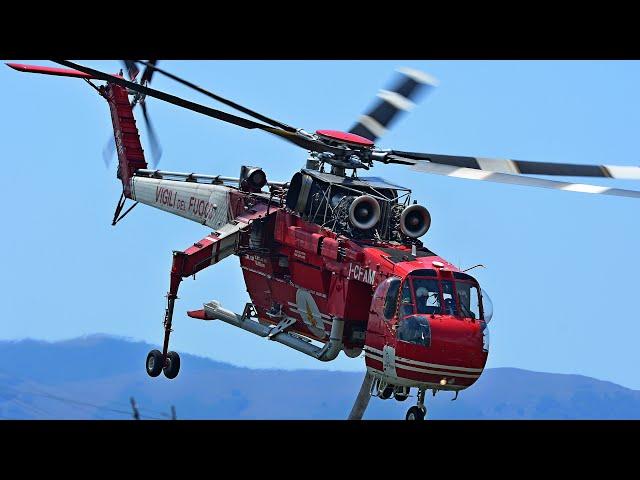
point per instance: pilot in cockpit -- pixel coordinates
(422, 301)
(449, 306)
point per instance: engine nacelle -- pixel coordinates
(415, 221)
(364, 212)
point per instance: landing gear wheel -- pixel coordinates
(172, 367)
(401, 397)
(154, 363)
(386, 393)
(415, 414)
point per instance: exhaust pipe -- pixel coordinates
(328, 352)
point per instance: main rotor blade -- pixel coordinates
(245, 110)
(132, 69)
(522, 167)
(148, 72)
(293, 137)
(473, 174)
(401, 98)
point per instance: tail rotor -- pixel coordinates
(156, 149)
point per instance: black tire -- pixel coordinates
(386, 393)
(415, 414)
(154, 363)
(172, 368)
(401, 397)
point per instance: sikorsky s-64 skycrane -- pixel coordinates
(332, 260)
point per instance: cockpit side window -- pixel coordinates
(468, 299)
(406, 305)
(391, 299)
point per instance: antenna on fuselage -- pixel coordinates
(475, 266)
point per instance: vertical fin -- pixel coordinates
(127, 137)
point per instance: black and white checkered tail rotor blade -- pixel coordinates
(408, 88)
(476, 174)
(522, 167)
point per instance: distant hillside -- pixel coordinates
(93, 377)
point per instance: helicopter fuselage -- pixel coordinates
(302, 271)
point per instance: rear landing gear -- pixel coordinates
(417, 412)
(172, 365)
(165, 361)
(154, 363)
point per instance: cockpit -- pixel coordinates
(423, 293)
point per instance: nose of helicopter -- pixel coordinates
(441, 349)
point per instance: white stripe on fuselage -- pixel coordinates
(425, 364)
(423, 370)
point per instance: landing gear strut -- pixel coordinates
(166, 361)
(200, 255)
(171, 360)
(417, 412)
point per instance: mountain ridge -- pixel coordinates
(93, 377)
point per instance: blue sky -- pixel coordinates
(562, 267)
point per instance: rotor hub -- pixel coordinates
(344, 137)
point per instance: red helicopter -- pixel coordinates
(332, 260)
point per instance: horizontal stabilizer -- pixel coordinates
(62, 72)
(199, 314)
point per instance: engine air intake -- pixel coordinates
(415, 221)
(364, 212)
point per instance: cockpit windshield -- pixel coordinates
(458, 297)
